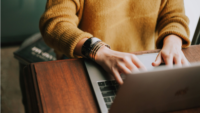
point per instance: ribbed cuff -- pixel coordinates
(70, 44)
(173, 30)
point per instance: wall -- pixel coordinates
(192, 10)
(20, 19)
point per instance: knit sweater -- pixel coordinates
(125, 25)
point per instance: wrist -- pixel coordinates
(91, 46)
(102, 52)
(172, 40)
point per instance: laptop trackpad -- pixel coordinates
(147, 60)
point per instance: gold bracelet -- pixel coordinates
(95, 48)
(93, 51)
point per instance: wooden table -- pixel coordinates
(63, 86)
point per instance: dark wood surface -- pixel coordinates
(63, 86)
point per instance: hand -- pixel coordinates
(117, 62)
(171, 52)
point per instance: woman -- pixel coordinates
(70, 27)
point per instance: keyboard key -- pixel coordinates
(108, 83)
(108, 105)
(107, 88)
(108, 93)
(113, 97)
(114, 82)
(101, 83)
(107, 99)
(117, 87)
(115, 91)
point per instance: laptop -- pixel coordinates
(160, 89)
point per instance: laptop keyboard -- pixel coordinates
(108, 90)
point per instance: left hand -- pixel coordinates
(171, 52)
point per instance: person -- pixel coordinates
(87, 28)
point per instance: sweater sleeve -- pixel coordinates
(172, 20)
(58, 25)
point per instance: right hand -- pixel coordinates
(115, 62)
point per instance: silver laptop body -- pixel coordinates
(159, 90)
(97, 74)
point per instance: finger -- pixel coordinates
(131, 66)
(122, 68)
(134, 69)
(177, 60)
(168, 60)
(117, 77)
(184, 61)
(158, 60)
(137, 62)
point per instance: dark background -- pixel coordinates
(20, 19)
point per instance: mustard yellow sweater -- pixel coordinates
(125, 25)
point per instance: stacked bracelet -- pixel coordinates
(93, 52)
(91, 46)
